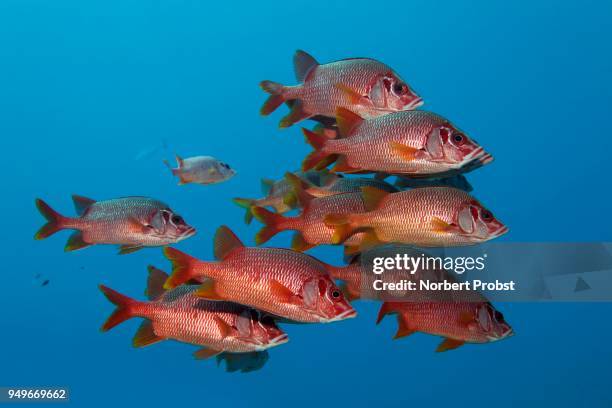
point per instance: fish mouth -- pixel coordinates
(485, 159)
(188, 233)
(508, 333)
(278, 340)
(476, 154)
(500, 232)
(347, 314)
(414, 104)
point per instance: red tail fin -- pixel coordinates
(276, 98)
(319, 158)
(124, 310)
(183, 268)
(54, 220)
(274, 223)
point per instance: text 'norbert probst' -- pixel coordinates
(423, 263)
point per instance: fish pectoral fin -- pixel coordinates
(145, 335)
(441, 226)
(128, 249)
(207, 290)
(449, 344)
(407, 153)
(137, 226)
(466, 318)
(205, 352)
(281, 293)
(354, 97)
(75, 241)
(224, 328)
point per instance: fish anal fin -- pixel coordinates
(204, 353)
(207, 290)
(298, 243)
(403, 327)
(145, 335)
(372, 197)
(128, 249)
(297, 114)
(342, 166)
(75, 241)
(225, 242)
(449, 344)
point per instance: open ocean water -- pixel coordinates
(93, 95)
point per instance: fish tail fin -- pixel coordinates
(319, 158)
(169, 166)
(276, 98)
(124, 311)
(247, 204)
(183, 268)
(273, 224)
(54, 220)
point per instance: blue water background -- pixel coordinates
(89, 92)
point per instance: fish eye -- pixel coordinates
(335, 293)
(400, 88)
(177, 220)
(458, 138)
(486, 215)
(499, 316)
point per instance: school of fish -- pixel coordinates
(368, 127)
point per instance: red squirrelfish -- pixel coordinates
(282, 282)
(459, 323)
(310, 226)
(415, 143)
(337, 184)
(131, 222)
(364, 85)
(178, 314)
(275, 193)
(426, 217)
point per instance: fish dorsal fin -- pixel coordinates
(372, 197)
(81, 204)
(266, 185)
(155, 283)
(299, 189)
(347, 121)
(225, 242)
(303, 64)
(179, 161)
